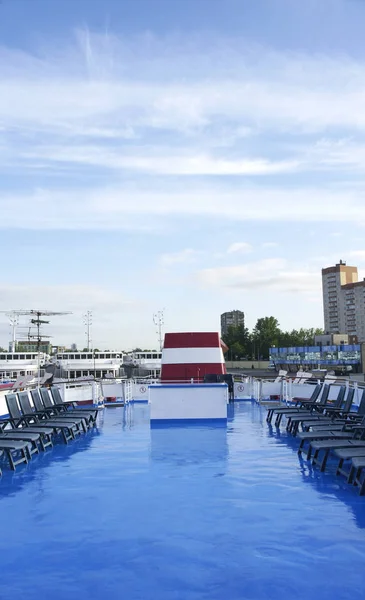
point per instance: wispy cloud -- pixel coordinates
(274, 274)
(140, 207)
(109, 103)
(270, 245)
(103, 77)
(239, 248)
(188, 255)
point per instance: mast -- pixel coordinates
(158, 320)
(88, 321)
(35, 321)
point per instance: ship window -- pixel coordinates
(101, 355)
(78, 373)
(15, 356)
(22, 373)
(83, 356)
(98, 374)
(85, 373)
(90, 356)
(72, 374)
(2, 357)
(107, 356)
(21, 357)
(71, 356)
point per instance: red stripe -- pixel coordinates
(185, 372)
(192, 340)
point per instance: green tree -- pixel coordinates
(238, 342)
(264, 336)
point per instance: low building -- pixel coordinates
(333, 339)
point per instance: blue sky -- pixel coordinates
(196, 156)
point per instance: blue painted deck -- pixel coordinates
(179, 514)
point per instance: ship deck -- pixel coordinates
(180, 513)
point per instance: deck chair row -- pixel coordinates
(36, 419)
(325, 431)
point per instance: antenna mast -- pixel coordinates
(35, 320)
(13, 317)
(158, 320)
(88, 321)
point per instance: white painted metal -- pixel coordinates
(182, 402)
(180, 356)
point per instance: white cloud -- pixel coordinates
(239, 248)
(275, 275)
(140, 207)
(270, 245)
(357, 254)
(134, 82)
(158, 163)
(184, 256)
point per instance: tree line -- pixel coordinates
(255, 345)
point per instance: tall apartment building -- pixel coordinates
(343, 301)
(234, 318)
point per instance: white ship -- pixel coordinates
(146, 363)
(81, 365)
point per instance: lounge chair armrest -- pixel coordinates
(66, 404)
(4, 423)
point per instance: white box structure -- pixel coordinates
(188, 402)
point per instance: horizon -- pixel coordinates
(189, 156)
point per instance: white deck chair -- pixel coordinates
(280, 376)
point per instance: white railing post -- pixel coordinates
(282, 389)
(95, 392)
(63, 391)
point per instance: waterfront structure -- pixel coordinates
(233, 318)
(343, 301)
(344, 358)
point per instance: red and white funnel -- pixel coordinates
(187, 356)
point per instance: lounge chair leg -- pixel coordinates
(324, 461)
(10, 459)
(300, 449)
(309, 454)
(362, 486)
(351, 474)
(339, 466)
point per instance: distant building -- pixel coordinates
(32, 346)
(56, 349)
(234, 318)
(74, 347)
(343, 301)
(333, 339)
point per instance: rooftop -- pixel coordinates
(187, 513)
